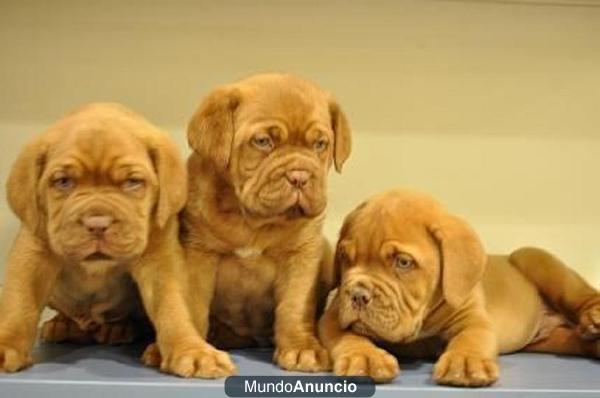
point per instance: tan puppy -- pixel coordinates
(412, 273)
(97, 194)
(262, 150)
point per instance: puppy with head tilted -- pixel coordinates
(98, 195)
(252, 227)
(415, 280)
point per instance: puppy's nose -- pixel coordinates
(360, 296)
(298, 178)
(98, 225)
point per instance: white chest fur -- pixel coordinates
(248, 252)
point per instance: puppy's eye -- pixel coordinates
(63, 183)
(404, 261)
(321, 144)
(132, 184)
(263, 142)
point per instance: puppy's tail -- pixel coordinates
(564, 289)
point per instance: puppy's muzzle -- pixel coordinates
(298, 178)
(360, 296)
(97, 224)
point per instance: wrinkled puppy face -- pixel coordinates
(96, 183)
(390, 271)
(282, 152)
(283, 135)
(399, 254)
(98, 188)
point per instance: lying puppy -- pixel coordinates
(412, 273)
(97, 195)
(252, 226)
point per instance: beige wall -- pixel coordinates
(492, 106)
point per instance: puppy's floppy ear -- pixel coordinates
(463, 258)
(172, 178)
(211, 129)
(341, 134)
(342, 249)
(22, 184)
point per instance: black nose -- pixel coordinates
(360, 296)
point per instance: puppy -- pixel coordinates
(97, 195)
(252, 226)
(412, 274)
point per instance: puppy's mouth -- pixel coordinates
(296, 211)
(98, 256)
(301, 207)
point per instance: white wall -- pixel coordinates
(492, 106)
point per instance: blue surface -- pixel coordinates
(94, 371)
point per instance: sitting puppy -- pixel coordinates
(97, 194)
(252, 225)
(413, 274)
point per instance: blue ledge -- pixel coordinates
(99, 372)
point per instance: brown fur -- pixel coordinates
(100, 162)
(250, 235)
(413, 276)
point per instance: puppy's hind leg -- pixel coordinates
(567, 341)
(63, 329)
(114, 333)
(562, 288)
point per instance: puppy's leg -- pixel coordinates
(202, 270)
(29, 280)
(355, 355)
(114, 333)
(566, 341)
(162, 279)
(562, 287)
(470, 357)
(297, 347)
(62, 329)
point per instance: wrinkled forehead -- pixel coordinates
(297, 107)
(376, 226)
(98, 149)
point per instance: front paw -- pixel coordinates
(151, 356)
(205, 362)
(589, 321)
(13, 359)
(458, 369)
(309, 356)
(373, 362)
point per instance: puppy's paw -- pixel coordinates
(458, 369)
(589, 321)
(205, 362)
(307, 357)
(151, 356)
(374, 362)
(13, 359)
(115, 333)
(62, 329)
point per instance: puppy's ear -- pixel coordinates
(211, 129)
(344, 250)
(22, 184)
(463, 258)
(172, 178)
(342, 144)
